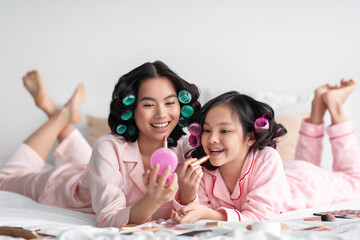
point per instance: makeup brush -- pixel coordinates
(327, 217)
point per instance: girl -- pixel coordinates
(246, 180)
(144, 108)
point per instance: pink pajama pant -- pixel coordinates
(320, 186)
(22, 172)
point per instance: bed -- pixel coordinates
(19, 211)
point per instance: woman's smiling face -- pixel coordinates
(158, 110)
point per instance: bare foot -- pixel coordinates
(318, 106)
(335, 98)
(72, 107)
(34, 84)
(339, 94)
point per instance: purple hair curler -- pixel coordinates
(194, 141)
(261, 124)
(195, 129)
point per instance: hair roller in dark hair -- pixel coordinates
(247, 111)
(125, 93)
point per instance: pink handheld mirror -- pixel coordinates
(164, 157)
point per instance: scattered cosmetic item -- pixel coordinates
(200, 160)
(312, 219)
(143, 229)
(343, 213)
(326, 217)
(212, 224)
(282, 226)
(195, 232)
(128, 226)
(147, 229)
(20, 232)
(344, 216)
(315, 228)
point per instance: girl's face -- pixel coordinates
(223, 137)
(158, 109)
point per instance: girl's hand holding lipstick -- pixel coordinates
(190, 173)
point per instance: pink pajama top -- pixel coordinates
(114, 175)
(267, 186)
(108, 184)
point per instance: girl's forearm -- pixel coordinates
(216, 215)
(186, 197)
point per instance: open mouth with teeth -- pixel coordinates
(160, 125)
(216, 151)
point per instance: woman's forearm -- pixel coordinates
(143, 210)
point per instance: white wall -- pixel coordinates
(279, 46)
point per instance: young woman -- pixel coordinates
(148, 103)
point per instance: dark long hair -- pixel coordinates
(246, 110)
(129, 84)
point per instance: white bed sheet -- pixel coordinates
(19, 211)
